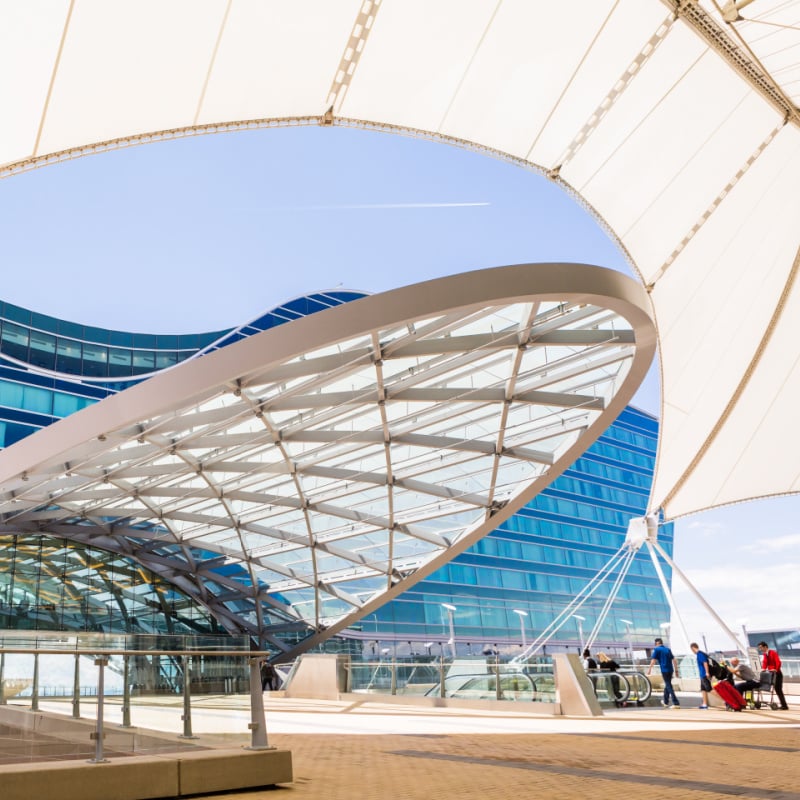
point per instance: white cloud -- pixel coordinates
(705, 528)
(774, 544)
(766, 596)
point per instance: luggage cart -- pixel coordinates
(767, 679)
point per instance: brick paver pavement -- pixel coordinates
(698, 765)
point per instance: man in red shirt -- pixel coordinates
(770, 660)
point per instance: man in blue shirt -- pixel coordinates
(704, 668)
(669, 669)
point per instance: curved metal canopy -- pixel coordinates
(306, 475)
(674, 120)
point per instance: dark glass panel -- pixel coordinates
(17, 314)
(95, 360)
(68, 356)
(119, 362)
(144, 361)
(43, 350)
(15, 341)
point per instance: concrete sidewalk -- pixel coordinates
(372, 750)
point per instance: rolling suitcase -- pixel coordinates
(732, 696)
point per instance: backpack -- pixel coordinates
(716, 669)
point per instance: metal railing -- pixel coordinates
(183, 660)
(622, 687)
(464, 679)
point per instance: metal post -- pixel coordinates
(441, 676)
(187, 700)
(497, 693)
(35, 687)
(98, 733)
(76, 688)
(2, 678)
(126, 693)
(258, 721)
(393, 667)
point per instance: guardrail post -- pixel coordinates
(35, 687)
(258, 721)
(76, 688)
(126, 693)
(98, 733)
(394, 677)
(187, 699)
(2, 678)
(497, 692)
(442, 692)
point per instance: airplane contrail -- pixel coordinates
(360, 206)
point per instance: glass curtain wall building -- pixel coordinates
(534, 563)
(540, 559)
(49, 369)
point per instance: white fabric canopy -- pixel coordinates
(678, 128)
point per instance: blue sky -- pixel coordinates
(206, 233)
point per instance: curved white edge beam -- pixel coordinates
(194, 381)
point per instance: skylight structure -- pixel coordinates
(295, 480)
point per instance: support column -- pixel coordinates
(76, 688)
(99, 734)
(258, 721)
(187, 699)
(35, 687)
(126, 693)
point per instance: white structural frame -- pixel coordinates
(303, 477)
(675, 122)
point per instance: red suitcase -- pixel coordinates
(731, 695)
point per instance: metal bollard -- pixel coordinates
(394, 677)
(497, 693)
(2, 678)
(442, 692)
(126, 694)
(187, 700)
(258, 722)
(76, 689)
(35, 687)
(98, 733)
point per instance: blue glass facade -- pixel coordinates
(536, 561)
(541, 558)
(50, 368)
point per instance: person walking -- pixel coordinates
(668, 665)
(704, 668)
(771, 662)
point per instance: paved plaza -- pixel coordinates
(345, 749)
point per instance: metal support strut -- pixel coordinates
(76, 688)
(258, 722)
(35, 687)
(187, 699)
(98, 734)
(126, 693)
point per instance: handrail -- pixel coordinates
(105, 651)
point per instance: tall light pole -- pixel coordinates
(743, 623)
(628, 623)
(580, 620)
(521, 614)
(450, 609)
